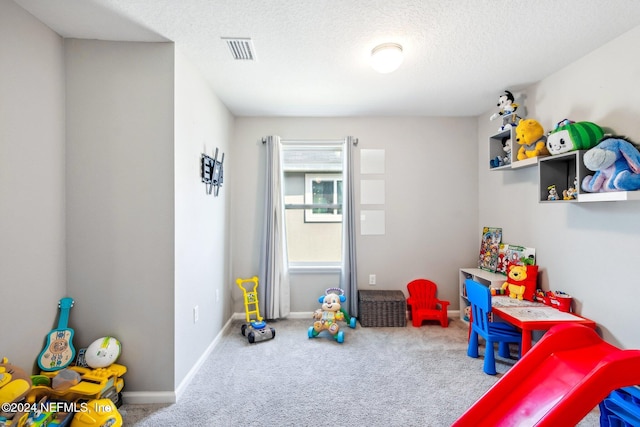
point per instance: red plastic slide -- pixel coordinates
(563, 377)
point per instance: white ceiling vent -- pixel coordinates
(241, 48)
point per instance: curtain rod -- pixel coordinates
(354, 140)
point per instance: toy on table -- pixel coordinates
(571, 192)
(521, 281)
(616, 163)
(255, 329)
(498, 291)
(531, 138)
(327, 317)
(553, 193)
(558, 299)
(569, 136)
(507, 111)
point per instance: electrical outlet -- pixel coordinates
(372, 279)
(196, 314)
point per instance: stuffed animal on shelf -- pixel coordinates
(327, 317)
(503, 160)
(569, 136)
(553, 193)
(531, 138)
(616, 163)
(507, 111)
(521, 281)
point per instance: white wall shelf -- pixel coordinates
(611, 196)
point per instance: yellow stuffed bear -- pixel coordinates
(521, 281)
(531, 138)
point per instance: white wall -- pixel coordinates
(32, 193)
(590, 249)
(430, 206)
(202, 124)
(120, 202)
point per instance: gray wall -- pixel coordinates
(32, 183)
(430, 205)
(120, 202)
(589, 250)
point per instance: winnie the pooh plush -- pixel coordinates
(521, 281)
(531, 138)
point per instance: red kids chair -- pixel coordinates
(424, 305)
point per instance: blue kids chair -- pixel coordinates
(503, 333)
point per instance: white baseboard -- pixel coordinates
(144, 397)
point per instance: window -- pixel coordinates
(323, 189)
(313, 197)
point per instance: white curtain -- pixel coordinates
(348, 276)
(274, 288)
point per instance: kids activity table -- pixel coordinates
(531, 316)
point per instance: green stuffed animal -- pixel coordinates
(531, 138)
(569, 136)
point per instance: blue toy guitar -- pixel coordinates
(59, 352)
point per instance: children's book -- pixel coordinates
(519, 255)
(502, 259)
(489, 248)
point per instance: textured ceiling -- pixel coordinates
(312, 55)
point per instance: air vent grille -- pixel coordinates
(241, 48)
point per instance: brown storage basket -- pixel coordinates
(382, 308)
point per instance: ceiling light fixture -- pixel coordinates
(386, 57)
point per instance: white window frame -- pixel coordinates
(309, 215)
(315, 267)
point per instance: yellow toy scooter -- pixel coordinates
(255, 330)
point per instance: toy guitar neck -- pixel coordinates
(59, 352)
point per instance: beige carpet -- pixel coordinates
(377, 377)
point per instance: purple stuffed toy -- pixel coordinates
(616, 163)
